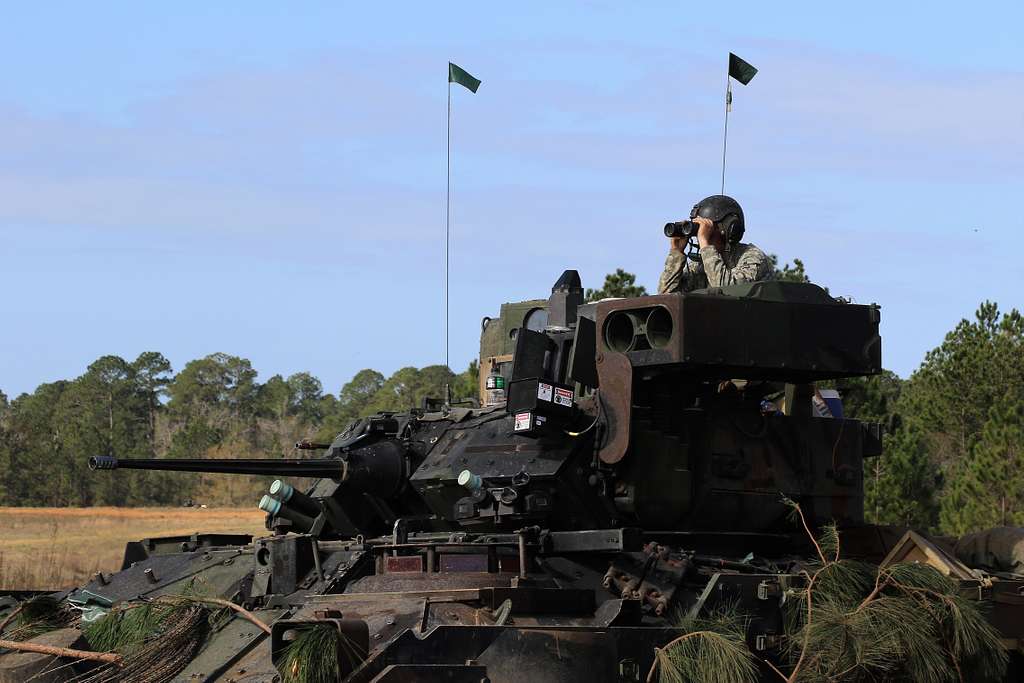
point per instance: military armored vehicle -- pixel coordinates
(642, 470)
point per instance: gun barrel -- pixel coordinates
(287, 467)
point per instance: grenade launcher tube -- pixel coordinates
(287, 494)
(275, 508)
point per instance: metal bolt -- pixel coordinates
(390, 621)
(151, 576)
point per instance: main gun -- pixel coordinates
(363, 489)
(326, 468)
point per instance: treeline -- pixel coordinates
(954, 453)
(214, 407)
(952, 460)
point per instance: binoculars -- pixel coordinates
(685, 229)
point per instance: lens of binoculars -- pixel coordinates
(681, 229)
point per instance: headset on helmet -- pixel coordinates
(723, 211)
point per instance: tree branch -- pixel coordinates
(244, 613)
(776, 670)
(807, 626)
(803, 520)
(10, 617)
(658, 651)
(109, 657)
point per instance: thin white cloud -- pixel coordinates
(329, 145)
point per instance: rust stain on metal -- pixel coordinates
(616, 377)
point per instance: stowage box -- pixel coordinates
(538, 405)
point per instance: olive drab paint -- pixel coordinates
(634, 470)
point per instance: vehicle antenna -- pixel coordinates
(456, 74)
(742, 72)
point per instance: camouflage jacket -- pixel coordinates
(742, 263)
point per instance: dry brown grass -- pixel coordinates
(51, 548)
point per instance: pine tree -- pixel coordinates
(617, 284)
(34, 475)
(900, 485)
(787, 273)
(306, 393)
(6, 446)
(978, 365)
(987, 488)
(870, 399)
(152, 375)
(467, 383)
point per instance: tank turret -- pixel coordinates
(641, 466)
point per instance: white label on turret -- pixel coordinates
(544, 391)
(563, 397)
(522, 422)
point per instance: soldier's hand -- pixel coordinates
(678, 244)
(706, 231)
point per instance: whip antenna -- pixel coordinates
(742, 72)
(456, 74)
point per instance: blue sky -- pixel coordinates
(267, 179)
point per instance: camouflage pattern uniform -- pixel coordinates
(742, 263)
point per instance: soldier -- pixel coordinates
(723, 260)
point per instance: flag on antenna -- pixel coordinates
(456, 74)
(739, 69)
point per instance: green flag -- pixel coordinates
(456, 74)
(739, 69)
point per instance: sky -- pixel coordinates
(268, 179)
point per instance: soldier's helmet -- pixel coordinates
(725, 212)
